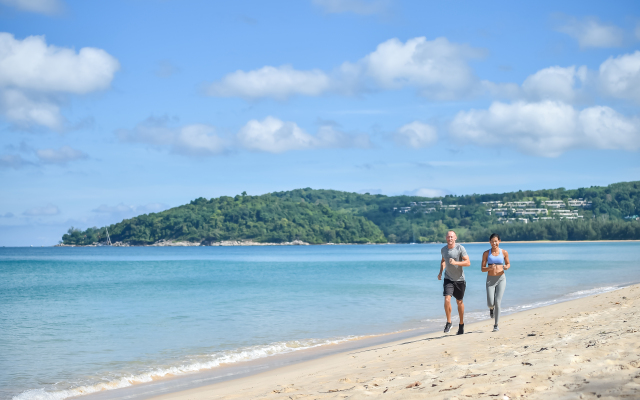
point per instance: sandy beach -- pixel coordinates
(581, 349)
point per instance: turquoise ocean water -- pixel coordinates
(79, 320)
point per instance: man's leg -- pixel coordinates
(447, 307)
(460, 311)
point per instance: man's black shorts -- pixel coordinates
(454, 288)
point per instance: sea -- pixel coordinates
(102, 322)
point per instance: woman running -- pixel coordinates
(495, 262)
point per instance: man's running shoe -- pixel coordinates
(460, 329)
(447, 327)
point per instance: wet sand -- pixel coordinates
(585, 348)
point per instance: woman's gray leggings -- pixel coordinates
(495, 290)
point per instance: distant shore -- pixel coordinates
(224, 243)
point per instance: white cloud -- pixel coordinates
(589, 32)
(275, 136)
(620, 76)
(61, 156)
(362, 7)
(416, 134)
(437, 68)
(33, 76)
(195, 140)
(48, 7)
(32, 64)
(547, 128)
(13, 161)
(426, 192)
(47, 210)
(554, 83)
(280, 83)
(27, 111)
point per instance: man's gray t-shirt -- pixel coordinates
(453, 272)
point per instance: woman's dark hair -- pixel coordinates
(494, 235)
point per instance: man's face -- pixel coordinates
(451, 238)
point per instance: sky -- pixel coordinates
(111, 109)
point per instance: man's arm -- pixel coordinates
(464, 263)
(441, 269)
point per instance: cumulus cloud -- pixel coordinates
(437, 68)
(362, 7)
(275, 136)
(47, 7)
(277, 82)
(47, 210)
(26, 111)
(547, 128)
(416, 135)
(590, 32)
(33, 76)
(554, 83)
(32, 64)
(190, 140)
(620, 76)
(61, 156)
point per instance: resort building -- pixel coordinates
(521, 204)
(579, 203)
(554, 203)
(430, 203)
(532, 211)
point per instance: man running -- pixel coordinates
(454, 257)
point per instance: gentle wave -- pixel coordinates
(208, 362)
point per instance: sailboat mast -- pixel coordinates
(108, 238)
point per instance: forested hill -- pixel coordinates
(330, 216)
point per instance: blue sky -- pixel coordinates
(109, 109)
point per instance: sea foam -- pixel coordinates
(206, 362)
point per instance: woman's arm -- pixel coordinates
(507, 264)
(484, 267)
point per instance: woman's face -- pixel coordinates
(495, 242)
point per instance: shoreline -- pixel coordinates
(560, 350)
(232, 243)
(227, 374)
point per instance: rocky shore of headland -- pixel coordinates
(171, 243)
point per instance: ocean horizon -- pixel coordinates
(78, 321)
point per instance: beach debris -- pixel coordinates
(414, 384)
(531, 334)
(338, 390)
(472, 376)
(542, 349)
(450, 388)
(527, 363)
(385, 391)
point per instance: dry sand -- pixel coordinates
(587, 348)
